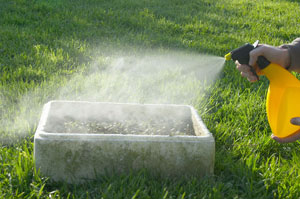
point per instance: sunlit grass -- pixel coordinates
(56, 49)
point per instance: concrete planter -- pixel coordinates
(77, 154)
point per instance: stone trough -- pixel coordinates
(77, 141)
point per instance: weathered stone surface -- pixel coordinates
(75, 157)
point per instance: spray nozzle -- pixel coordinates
(228, 56)
(242, 55)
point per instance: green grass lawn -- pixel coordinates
(57, 49)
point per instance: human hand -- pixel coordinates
(292, 138)
(246, 71)
(273, 54)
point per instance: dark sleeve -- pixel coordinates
(294, 51)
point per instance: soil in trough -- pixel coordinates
(152, 127)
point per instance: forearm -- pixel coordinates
(294, 52)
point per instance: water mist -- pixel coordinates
(164, 77)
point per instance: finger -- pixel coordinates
(282, 140)
(243, 68)
(254, 54)
(295, 121)
(245, 72)
(288, 139)
(249, 76)
(252, 78)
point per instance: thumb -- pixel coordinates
(295, 121)
(254, 54)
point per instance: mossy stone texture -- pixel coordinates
(77, 157)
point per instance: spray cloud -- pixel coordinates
(170, 77)
(165, 77)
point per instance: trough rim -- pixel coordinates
(41, 134)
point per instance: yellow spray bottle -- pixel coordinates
(283, 98)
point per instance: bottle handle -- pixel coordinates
(262, 62)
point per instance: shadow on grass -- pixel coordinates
(170, 24)
(295, 1)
